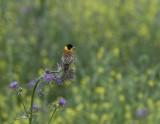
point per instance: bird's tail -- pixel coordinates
(67, 74)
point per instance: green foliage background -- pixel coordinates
(117, 58)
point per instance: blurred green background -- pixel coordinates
(117, 61)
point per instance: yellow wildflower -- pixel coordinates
(151, 83)
(59, 119)
(100, 91)
(158, 103)
(149, 71)
(68, 83)
(150, 117)
(100, 70)
(111, 80)
(150, 103)
(113, 72)
(128, 115)
(140, 95)
(32, 40)
(85, 81)
(104, 118)
(144, 78)
(144, 31)
(3, 65)
(45, 61)
(74, 89)
(70, 112)
(40, 71)
(16, 76)
(100, 53)
(106, 105)
(93, 116)
(79, 107)
(121, 98)
(4, 115)
(118, 76)
(116, 51)
(94, 106)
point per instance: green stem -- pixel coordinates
(52, 114)
(33, 92)
(23, 104)
(31, 108)
(53, 72)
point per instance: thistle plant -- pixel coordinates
(48, 77)
(142, 112)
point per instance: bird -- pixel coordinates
(66, 61)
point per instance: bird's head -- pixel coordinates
(69, 47)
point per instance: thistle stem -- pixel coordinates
(31, 107)
(23, 104)
(52, 115)
(33, 92)
(53, 72)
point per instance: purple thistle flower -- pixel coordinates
(31, 84)
(142, 112)
(56, 75)
(48, 70)
(48, 77)
(13, 84)
(62, 101)
(37, 90)
(59, 81)
(73, 76)
(27, 9)
(72, 69)
(35, 108)
(72, 73)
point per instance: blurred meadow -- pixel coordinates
(117, 61)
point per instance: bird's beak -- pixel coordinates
(73, 47)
